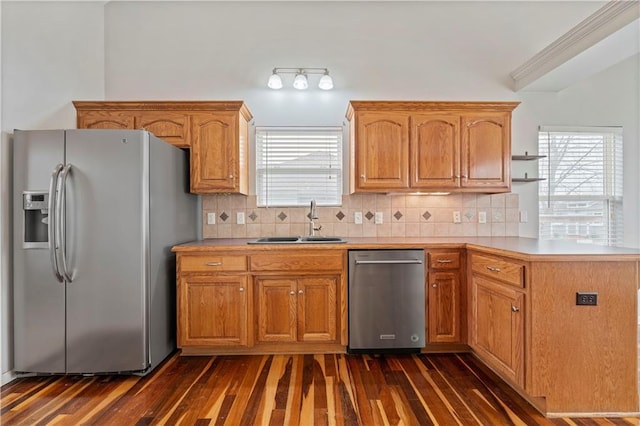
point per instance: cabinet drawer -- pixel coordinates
(297, 262)
(449, 260)
(502, 269)
(212, 263)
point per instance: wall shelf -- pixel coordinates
(526, 178)
(526, 157)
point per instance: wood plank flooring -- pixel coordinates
(434, 389)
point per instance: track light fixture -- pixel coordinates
(300, 80)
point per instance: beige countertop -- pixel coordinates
(524, 248)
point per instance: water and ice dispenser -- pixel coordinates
(35, 209)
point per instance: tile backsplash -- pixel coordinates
(402, 216)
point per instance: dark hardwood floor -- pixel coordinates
(305, 390)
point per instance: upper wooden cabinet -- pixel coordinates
(216, 131)
(400, 146)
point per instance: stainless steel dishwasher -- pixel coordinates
(386, 300)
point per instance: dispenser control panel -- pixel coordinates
(35, 201)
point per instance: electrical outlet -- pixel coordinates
(482, 217)
(587, 298)
(240, 218)
(524, 217)
(211, 218)
(357, 218)
(456, 217)
(379, 218)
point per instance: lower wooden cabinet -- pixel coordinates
(498, 327)
(213, 311)
(444, 297)
(296, 309)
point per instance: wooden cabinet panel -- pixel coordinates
(498, 268)
(309, 261)
(498, 327)
(317, 309)
(443, 307)
(212, 263)
(213, 152)
(435, 151)
(296, 309)
(171, 127)
(105, 120)
(382, 156)
(276, 309)
(212, 310)
(486, 151)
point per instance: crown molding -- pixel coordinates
(605, 21)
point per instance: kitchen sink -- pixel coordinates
(298, 240)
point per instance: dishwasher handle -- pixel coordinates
(390, 262)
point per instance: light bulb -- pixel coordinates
(326, 82)
(275, 82)
(300, 82)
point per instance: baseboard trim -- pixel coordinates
(7, 377)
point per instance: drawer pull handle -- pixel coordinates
(515, 309)
(214, 263)
(493, 269)
(444, 261)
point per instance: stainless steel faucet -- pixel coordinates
(313, 215)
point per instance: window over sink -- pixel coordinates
(297, 164)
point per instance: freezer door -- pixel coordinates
(105, 224)
(38, 298)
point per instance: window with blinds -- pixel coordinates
(296, 165)
(581, 198)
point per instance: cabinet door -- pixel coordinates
(498, 327)
(276, 301)
(168, 126)
(486, 151)
(444, 307)
(382, 151)
(214, 153)
(105, 120)
(435, 151)
(317, 309)
(212, 310)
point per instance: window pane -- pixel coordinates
(295, 165)
(581, 198)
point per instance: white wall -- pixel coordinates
(56, 52)
(52, 53)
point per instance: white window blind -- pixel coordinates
(295, 165)
(581, 198)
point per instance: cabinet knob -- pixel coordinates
(300, 291)
(457, 176)
(515, 309)
(434, 286)
(292, 292)
(241, 289)
(230, 176)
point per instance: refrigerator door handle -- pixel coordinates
(53, 242)
(60, 216)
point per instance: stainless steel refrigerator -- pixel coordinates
(95, 215)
